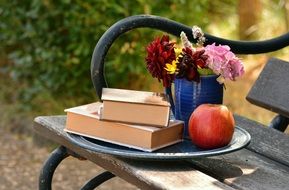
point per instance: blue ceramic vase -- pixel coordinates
(189, 95)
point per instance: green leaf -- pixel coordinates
(205, 71)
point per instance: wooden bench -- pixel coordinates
(271, 91)
(264, 164)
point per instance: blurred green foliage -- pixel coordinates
(50, 43)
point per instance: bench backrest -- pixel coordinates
(271, 89)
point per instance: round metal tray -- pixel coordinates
(183, 150)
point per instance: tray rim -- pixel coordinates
(160, 156)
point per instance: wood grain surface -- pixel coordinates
(252, 168)
(271, 89)
(145, 175)
(266, 141)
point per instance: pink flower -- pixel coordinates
(224, 62)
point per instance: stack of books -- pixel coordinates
(134, 119)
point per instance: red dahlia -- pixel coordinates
(189, 62)
(160, 52)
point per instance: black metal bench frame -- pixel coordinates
(280, 122)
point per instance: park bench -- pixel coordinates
(263, 164)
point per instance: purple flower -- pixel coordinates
(224, 62)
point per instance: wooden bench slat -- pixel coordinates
(145, 175)
(266, 141)
(167, 175)
(246, 170)
(271, 89)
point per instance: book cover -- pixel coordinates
(135, 107)
(84, 120)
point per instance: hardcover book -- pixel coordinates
(136, 107)
(84, 120)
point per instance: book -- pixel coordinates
(84, 120)
(135, 107)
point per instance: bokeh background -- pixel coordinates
(45, 53)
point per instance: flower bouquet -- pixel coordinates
(198, 71)
(165, 61)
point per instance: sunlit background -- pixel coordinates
(46, 49)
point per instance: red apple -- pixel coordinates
(211, 126)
